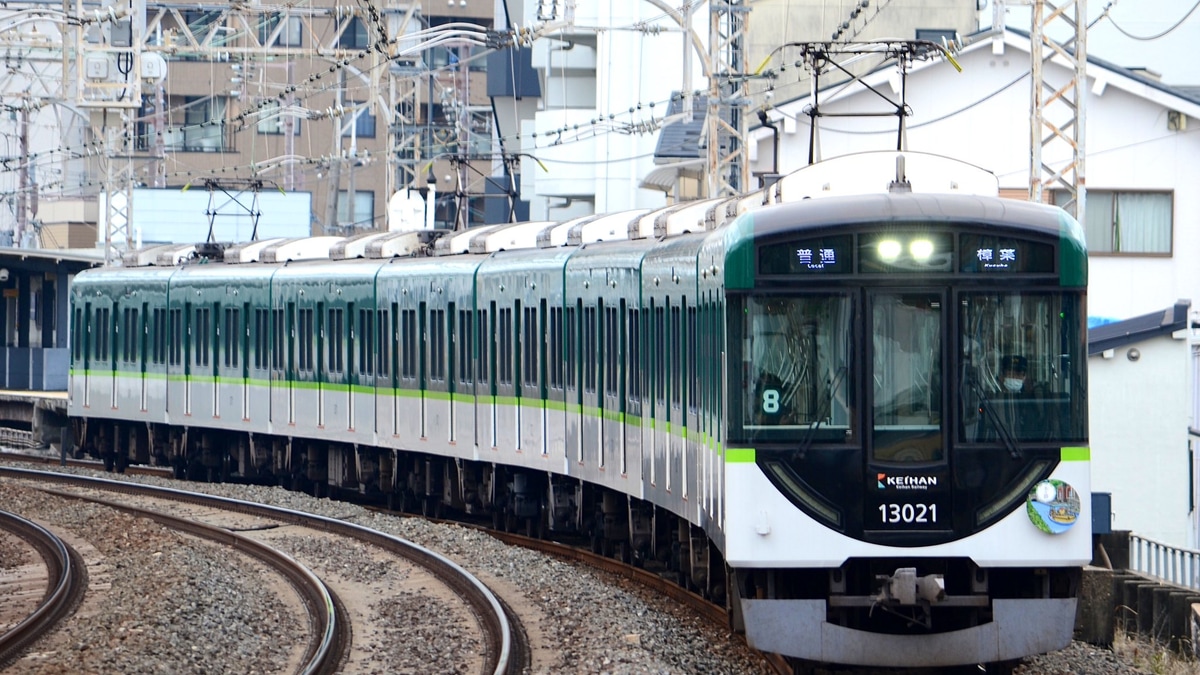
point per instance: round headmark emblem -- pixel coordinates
(1053, 506)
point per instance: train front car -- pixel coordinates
(906, 456)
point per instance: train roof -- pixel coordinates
(939, 188)
(932, 208)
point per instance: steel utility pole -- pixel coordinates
(1059, 115)
(728, 166)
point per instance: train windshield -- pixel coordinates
(796, 366)
(1022, 368)
(906, 380)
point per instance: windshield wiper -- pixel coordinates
(1002, 430)
(807, 441)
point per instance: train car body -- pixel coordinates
(860, 421)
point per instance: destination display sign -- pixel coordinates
(989, 254)
(821, 255)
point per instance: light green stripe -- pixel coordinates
(1076, 454)
(739, 456)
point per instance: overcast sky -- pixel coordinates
(1175, 55)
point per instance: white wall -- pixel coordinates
(625, 72)
(173, 216)
(1139, 438)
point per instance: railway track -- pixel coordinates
(64, 582)
(504, 650)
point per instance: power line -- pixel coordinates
(1147, 38)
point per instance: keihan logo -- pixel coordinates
(884, 481)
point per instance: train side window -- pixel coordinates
(128, 334)
(232, 333)
(277, 353)
(351, 338)
(451, 342)
(101, 333)
(77, 335)
(612, 350)
(483, 347)
(589, 349)
(261, 338)
(408, 344)
(176, 337)
(531, 342)
(305, 334)
(570, 347)
(633, 367)
(504, 356)
(336, 339)
(690, 354)
(366, 342)
(159, 351)
(437, 345)
(203, 335)
(554, 349)
(385, 345)
(676, 342)
(660, 352)
(464, 346)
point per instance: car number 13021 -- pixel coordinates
(908, 513)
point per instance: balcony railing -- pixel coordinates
(1179, 566)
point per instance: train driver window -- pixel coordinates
(1019, 383)
(796, 359)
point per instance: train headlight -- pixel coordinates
(921, 249)
(889, 250)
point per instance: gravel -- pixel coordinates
(159, 619)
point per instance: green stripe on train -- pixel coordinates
(1076, 454)
(739, 456)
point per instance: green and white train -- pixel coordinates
(856, 414)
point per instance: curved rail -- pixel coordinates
(65, 585)
(323, 655)
(702, 607)
(503, 648)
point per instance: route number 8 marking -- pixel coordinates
(770, 403)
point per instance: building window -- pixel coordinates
(289, 36)
(937, 35)
(273, 119)
(1127, 223)
(360, 213)
(355, 36)
(203, 128)
(363, 123)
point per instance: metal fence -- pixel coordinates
(1179, 566)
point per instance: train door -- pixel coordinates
(907, 441)
(290, 335)
(611, 437)
(352, 372)
(242, 339)
(675, 421)
(510, 326)
(83, 343)
(140, 353)
(573, 388)
(215, 372)
(451, 355)
(593, 446)
(659, 475)
(188, 342)
(422, 371)
(633, 371)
